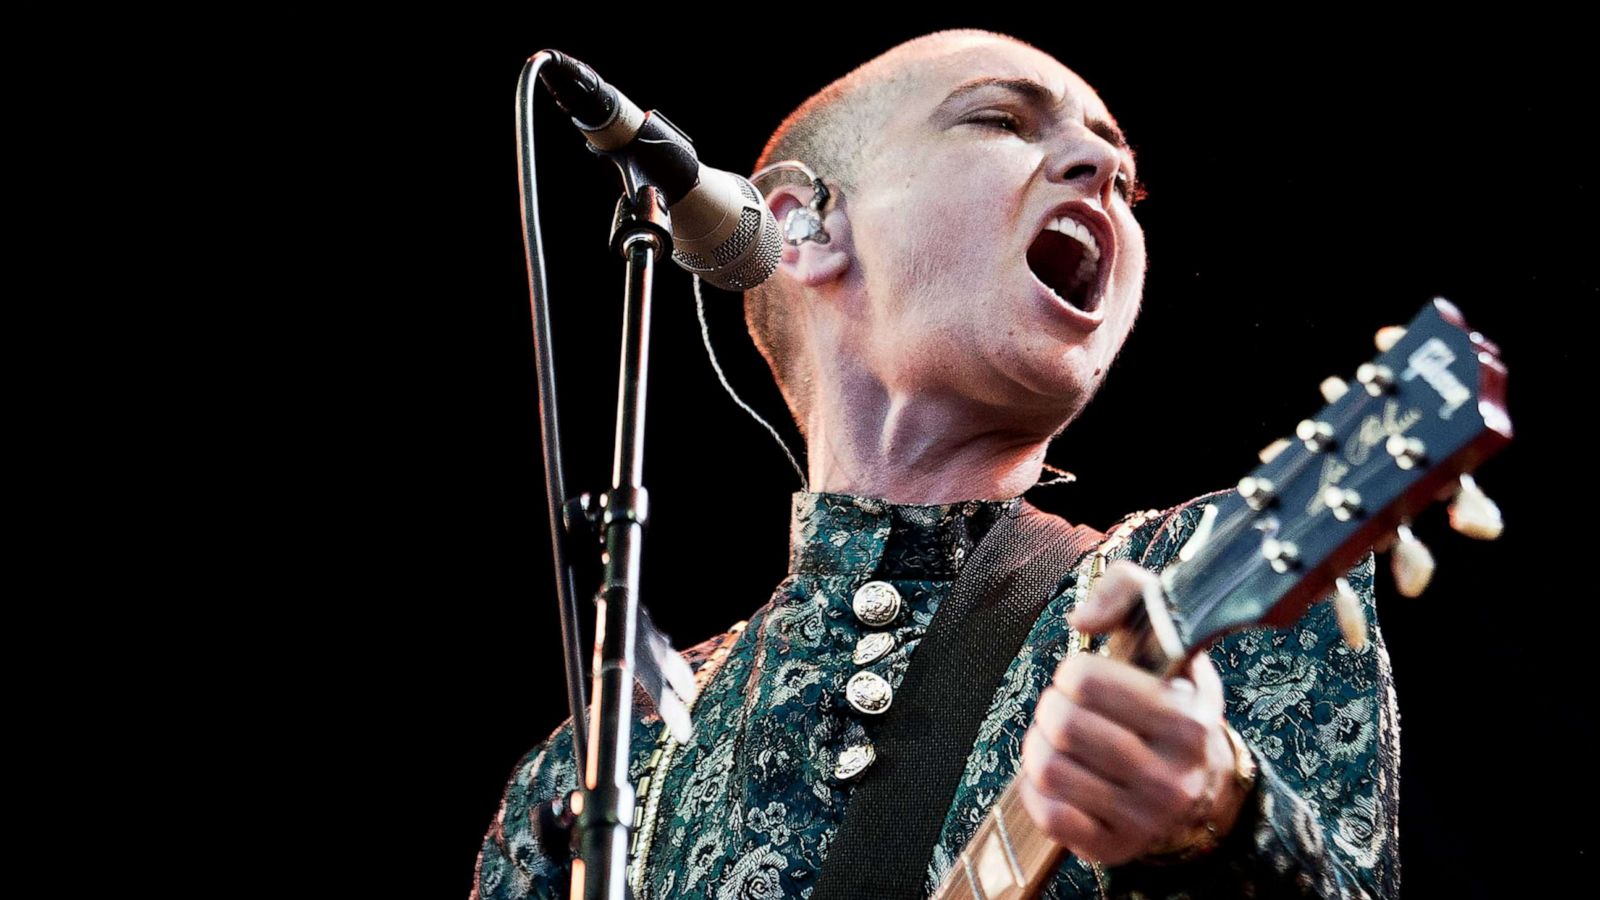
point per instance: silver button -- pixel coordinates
(869, 693)
(871, 648)
(853, 761)
(876, 603)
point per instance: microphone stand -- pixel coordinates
(603, 806)
(641, 233)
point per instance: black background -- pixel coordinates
(1308, 184)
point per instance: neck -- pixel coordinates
(868, 439)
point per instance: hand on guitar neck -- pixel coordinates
(1119, 763)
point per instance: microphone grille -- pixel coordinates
(748, 256)
(743, 236)
(763, 262)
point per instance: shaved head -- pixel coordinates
(833, 132)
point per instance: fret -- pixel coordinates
(972, 878)
(1005, 843)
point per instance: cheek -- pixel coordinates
(955, 239)
(1132, 272)
(1133, 264)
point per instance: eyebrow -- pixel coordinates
(1037, 95)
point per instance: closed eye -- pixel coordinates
(1131, 189)
(1003, 121)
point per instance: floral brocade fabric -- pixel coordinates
(748, 807)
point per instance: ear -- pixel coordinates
(812, 264)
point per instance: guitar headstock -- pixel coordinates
(1405, 432)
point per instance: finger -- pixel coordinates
(1156, 711)
(1107, 749)
(1064, 822)
(1060, 777)
(1055, 774)
(1114, 593)
(1081, 833)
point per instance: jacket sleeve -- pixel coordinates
(511, 865)
(1321, 722)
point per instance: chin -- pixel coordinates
(1052, 379)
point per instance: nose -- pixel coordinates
(1088, 161)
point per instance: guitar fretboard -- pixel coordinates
(1008, 859)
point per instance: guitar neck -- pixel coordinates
(1008, 859)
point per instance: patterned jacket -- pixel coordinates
(747, 808)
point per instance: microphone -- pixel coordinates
(722, 229)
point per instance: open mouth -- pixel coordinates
(1066, 257)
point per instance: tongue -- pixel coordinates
(1054, 257)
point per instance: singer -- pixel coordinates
(977, 268)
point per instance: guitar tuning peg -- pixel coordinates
(1270, 452)
(1412, 563)
(1473, 514)
(1389, 336)
(1333, 387)
(1352, 619)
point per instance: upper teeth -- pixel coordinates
(1091, 248)
(1073, 228)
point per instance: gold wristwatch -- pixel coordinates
(1205, 836)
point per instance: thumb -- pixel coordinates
(1119, 589)
(1207, 683)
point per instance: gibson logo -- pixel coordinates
(1432, 361)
